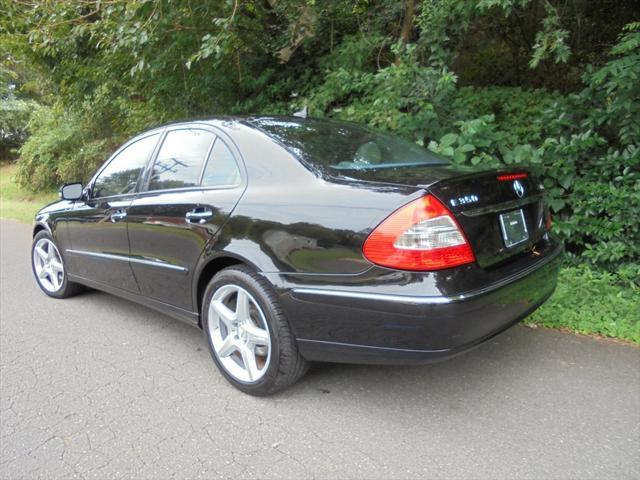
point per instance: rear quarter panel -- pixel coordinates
(292, 220)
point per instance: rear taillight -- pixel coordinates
(548, 221)
(422, 235)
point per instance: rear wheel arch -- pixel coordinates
(284, 363)
(212, 267)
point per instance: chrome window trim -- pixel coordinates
(207, 157)
(147, 193)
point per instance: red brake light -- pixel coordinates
(512, 176)
(422, 235)
(548, 223)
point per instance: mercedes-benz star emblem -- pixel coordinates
(518, 188)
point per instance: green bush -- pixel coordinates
(132, 64)
(61, 150)
(14, 118)
(586, 149)
(15, 110)
(515, 111)
(69, 144)
(400, 98)
(594, 302)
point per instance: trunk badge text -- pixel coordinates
(464, 200)
(518, 188)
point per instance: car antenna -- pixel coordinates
(302, 113)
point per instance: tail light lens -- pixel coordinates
(422, 235)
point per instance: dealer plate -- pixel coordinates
(514, 228)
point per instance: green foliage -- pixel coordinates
(399, 98)
(15, 107)
(594, 302)
(603, 221)
(62, 149)
(586, 149)
(613, 91)
(475, 141)
(488, 83)
(14, 118)
(551, 41)
(516, 111)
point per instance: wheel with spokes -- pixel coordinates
(248, 335)
(48, 268)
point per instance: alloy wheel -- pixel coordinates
(239, 333)
(48, 265)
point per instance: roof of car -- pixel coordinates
(249, 119)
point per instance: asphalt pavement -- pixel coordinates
(98, 387)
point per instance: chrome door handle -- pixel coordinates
(199, 215)
(118, 215)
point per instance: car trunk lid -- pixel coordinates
(501, 212)
(483, 204)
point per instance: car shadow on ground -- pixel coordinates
(480, 366)
(510, 353)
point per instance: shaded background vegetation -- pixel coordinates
(554, 84)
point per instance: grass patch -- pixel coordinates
(16, 203)
(593, 302)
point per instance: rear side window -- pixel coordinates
(180, 160)
(221, 168)
(122, 173)
(341, 147)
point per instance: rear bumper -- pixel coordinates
(358, 327)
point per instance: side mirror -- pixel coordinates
(71, 191)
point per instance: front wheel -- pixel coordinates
(248, 335)
(49, 269)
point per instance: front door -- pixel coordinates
(180, 210)
(97, 226)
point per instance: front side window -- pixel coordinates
(180, 159)
(122, 174)
(221, 169)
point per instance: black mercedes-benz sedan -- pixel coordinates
(292, 240)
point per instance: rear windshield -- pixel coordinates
(343, 146)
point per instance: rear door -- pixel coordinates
(97, 226)
(191, 187)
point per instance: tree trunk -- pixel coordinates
(407, 22)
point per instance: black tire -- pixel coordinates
(67, 288)
(286, 365)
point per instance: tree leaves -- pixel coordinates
(116, 68)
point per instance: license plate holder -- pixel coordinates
(514, 228)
